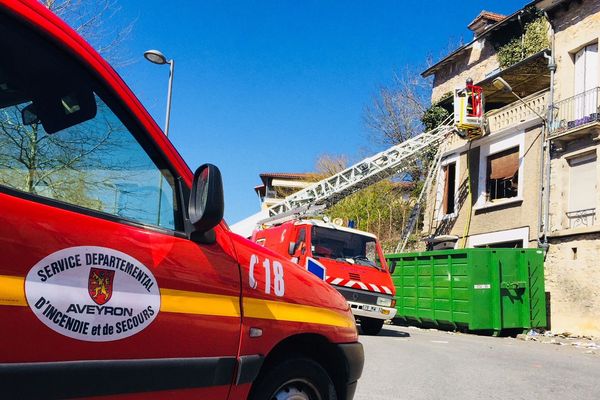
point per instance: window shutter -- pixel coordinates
(446, 181)
(580, 71)
(504, 165)
(591, 66)
(582, 183)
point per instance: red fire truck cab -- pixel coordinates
(350, 260)
(118, 277)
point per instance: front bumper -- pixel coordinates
(354, 357)
(372, 311)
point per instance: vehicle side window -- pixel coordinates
(301, 241)
(60, 140)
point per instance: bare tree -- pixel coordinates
(91, 19)
(65, 165)
(59, 166)
(329, 164)
(395, 113)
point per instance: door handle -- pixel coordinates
(516, 285)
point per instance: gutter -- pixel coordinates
(492, 28)
(544, 188)
(539, 4)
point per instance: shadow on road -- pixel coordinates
(392, 333)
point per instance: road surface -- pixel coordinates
(410, 363)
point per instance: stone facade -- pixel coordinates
(574, 28)
(475, 61)
(573, 280)
(572, 265)
(573, 258)
(482, 216)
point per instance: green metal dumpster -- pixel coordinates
(475, 289)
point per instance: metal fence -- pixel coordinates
(576, 111)
(579, 218)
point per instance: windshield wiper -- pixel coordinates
(365, 261)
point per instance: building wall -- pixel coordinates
(573, 280)
(559, 182)
(573, 29)
(476, 63)
(572, 263)
(506, 215)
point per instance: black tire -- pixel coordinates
(298, 378)
(370, 326)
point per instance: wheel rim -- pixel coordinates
(297, 389)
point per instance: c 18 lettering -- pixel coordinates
(274, 277)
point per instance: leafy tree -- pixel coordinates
(381, 208)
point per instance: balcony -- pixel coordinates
(516, 113)
(581, 218)
(576, 116)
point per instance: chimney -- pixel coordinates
(483, 21)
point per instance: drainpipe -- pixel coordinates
(544, 186)
(522, 35)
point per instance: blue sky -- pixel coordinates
(269, 86)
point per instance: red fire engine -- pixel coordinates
(118, 277)
(350, 260)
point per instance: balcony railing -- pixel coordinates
(581, 218)
(575, 112)
(517, 112)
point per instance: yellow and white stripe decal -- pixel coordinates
(12, 293)
(281, 311)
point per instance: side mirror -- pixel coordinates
(206, 206)
(392, 266)
(292, 248)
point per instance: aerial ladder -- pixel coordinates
(467, 121)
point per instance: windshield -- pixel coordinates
(344, 246)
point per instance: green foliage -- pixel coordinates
(379, 209)
(536, 36)
(534, 39)
(434, 116)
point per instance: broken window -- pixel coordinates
(503, 174)
(449, 171)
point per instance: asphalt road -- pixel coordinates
(411, 363)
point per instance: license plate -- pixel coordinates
(370, 308)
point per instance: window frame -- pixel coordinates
(105, 90)
(517, 138)
(452, 158)
(509, 235)
(584, 50)
(488, 179)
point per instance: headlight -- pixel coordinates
(382, 301)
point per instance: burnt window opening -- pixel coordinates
(503, 174)
(448, 203)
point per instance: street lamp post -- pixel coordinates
(156, 57)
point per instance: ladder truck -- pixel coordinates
(352, 260)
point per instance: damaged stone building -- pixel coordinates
(532, 179)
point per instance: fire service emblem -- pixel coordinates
(100, 285)
(110, 295)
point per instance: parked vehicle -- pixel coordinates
(118, 276)
(350, 260)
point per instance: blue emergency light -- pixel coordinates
(316, 268)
